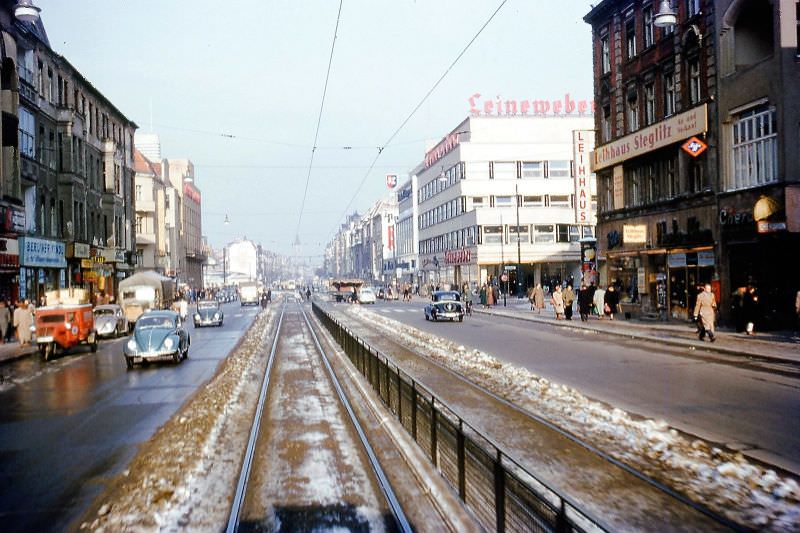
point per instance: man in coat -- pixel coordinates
(557, 301)
(705, 310)
(538, 298)
(569, 297)
(23, 320)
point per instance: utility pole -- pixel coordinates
(519, 251)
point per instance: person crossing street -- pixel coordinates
(705, 311)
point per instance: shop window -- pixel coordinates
(544, 233)
(755, 148)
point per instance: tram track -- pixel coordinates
(299, 468)
(607, 487)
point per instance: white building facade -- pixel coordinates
(506, 200)
(407, 233)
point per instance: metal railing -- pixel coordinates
(501, 494)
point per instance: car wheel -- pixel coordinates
(129, 362)
(177, 357)
(461, 319)
(93, 342)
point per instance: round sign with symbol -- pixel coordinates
(504, 277)
(391, 180)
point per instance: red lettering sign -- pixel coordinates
(510, 108)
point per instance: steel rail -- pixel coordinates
(661, 487)
(383, 481)
(244, 473)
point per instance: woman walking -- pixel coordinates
(557, 301)
(538, 298)
(584, 302)
(611, 302)
(569, 297)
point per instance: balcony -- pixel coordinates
(145, 206)
(145, 238)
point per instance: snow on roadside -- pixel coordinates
(183, 478)
(725, 481)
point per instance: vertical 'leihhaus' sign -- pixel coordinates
(583, 144)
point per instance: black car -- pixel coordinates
(208, 313)
(445, 305)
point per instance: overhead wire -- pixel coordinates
(416, 108)
(319, 120)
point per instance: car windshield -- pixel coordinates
(367, 291)
(446, 296)
(148, 322)
(104, 312)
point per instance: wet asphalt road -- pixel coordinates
(757, 412)
(68, 425)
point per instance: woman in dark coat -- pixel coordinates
(584, 302)
(611, 301)
(750, 309)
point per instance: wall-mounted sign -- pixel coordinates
(391, 180)
(9, 252)
(582, 143)
(41, 253)
(664, 133)
(634, 234)
(441, 149)
(78, 250)
(694, 147)
(503, 107)
(619, 187)
(404, 193)
(453, 257)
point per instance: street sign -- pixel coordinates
(694, 147)
(510, 267)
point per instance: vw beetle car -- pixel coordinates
(158, 335)
(445, 305)
(110, 321)
(366, 296)
(208, 313)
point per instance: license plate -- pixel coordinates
(44, 339)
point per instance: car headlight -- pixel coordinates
(132, 345)
(168, 343)
(216, 316)
(67, 325)
(197, 316)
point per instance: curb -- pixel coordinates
(636, 335)
(20, 354)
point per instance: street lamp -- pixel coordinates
(25, 11)
(666, 16)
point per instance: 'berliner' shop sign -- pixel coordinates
(35, 252)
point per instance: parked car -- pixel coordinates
(208, 313)
(366, 296)
(445, 305)
(61, 327)
(110, 320)
(158, 335)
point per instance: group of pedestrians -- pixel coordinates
(18, 322)
(590, 300)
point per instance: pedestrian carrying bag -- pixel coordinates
(607, 309)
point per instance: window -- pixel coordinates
(559, 200)
(755, 148)
(518, 233)
(649, 103)
(630, 37)
(605, 55)
(633, 187)
(694, 80)
(669, 94)
(558, 169)
(649, 28)
(605, 124)
(27, 133)
(567, 233)
(753, 33)
(544, 233)
(533, 201)
(632, 110)
(692, 8)
(492, 234)
(504, 170)
(532, 169)
(504, 201)
(588, 231)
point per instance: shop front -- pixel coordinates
(43, 267)
(760, 233)
(9, 269)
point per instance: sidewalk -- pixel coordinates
(777, 346)
(12, 351)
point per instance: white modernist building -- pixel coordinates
(407, 233)
(506, 200)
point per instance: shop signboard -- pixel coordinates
(619, 189)
(23, 283)
(582, 143)
(45, 253)
(78, 250)
(672, 130)
(705, 258)
(676, 260)
(9, 252)
(641, 280)
(634, 234)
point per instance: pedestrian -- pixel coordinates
(495, 294)
(482, 295)
(750, 309)
(5, 318)
(584, 302)
(797, 307)
(530, 297)
(538, 298)
(705, 310)
(490, 296)
(557, 301)
(23, 320)
(569, 297)
(611, 302)
(599, 300)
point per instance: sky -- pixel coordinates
(236, 87)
